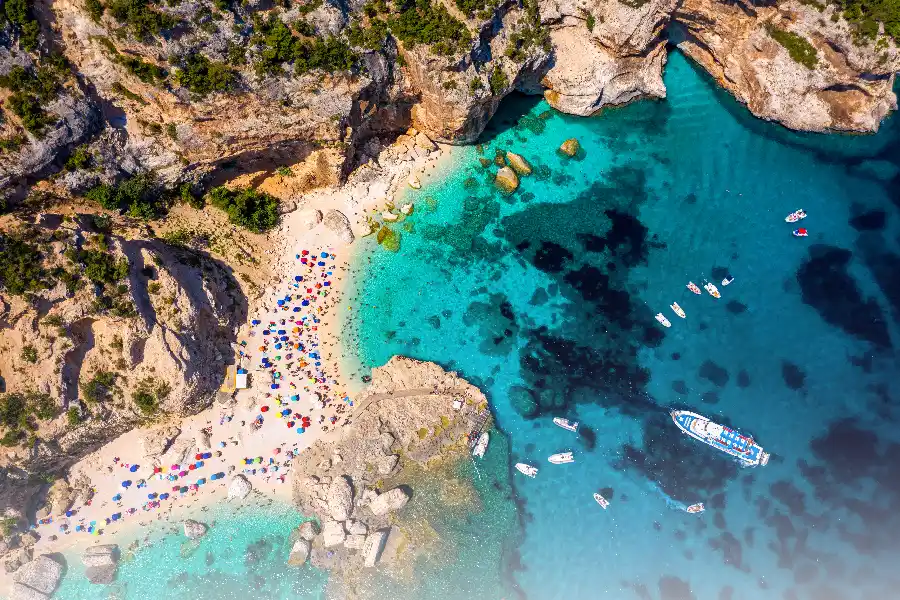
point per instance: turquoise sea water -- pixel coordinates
(546, 300)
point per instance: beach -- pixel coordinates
(150, 479)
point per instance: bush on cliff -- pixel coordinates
(866, 14)
(141, 17)
(139, 194)
(422, 22)
(18, 411)
(31, 90)
(20, 267)
(799, 49)
(203, 76)
(21, 18)
(256, 211)
(278, 46)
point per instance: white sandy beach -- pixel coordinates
(231, 439)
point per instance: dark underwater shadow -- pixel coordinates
(512, 108)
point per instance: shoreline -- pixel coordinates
(227, 436)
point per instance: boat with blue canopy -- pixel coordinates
(724, 439)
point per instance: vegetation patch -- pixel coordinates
(532, 35)
(31, 90)
(139, 195)
(865, 15)
(20, 267)
(424, 22)
(498, 81)
(19, 413)
(11, 143)
(149, 393)
(142, 18)
(799, 49)
(99, 388)
(248, 208)
(20, 16)
(203, 76)
(79, 159)
(278, 46)
(29, 353)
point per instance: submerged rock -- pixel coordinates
(507, 180)
(570, 147)
(299, 553)
(518, 163)
(391, 500)
(194, 529)
(101, 563)
(239, 487)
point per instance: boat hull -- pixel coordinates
(561, 459)
(565, 424)
(731, 442)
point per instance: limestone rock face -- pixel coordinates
(308, 530)
(391, 500)
(239, 487)
(373, 546)
(333, 533)
(620, 60)
(338, 222)
(194, 529)
(41, 575)
(848, 89)
(506, 180)
(340, 499)
(355, 541)
(299, 553)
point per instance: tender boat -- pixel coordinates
(693, 287)
(526, 469)
(724, 439)
(727, 281)
(565, 423)
(713, 291)
(562, 458)
(801, 232)
(795, 216)
(481, 445)
(695, 508)
(603, 502)
(662, 319)
(678, 310)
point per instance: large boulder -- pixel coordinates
(391, 500)
(506, 180)
(518, 163)
(154, 442)
(387, 463)
(299, 553)
(239, 487)
(194, 529)
(308, 530)
(570, 147)
(373, 547)
(355, 541)
(340, 499)
(101, 563)
(333, 533)
(338, 222)
(41, 575)
(310, 218)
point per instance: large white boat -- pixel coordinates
(795, 216)
(678, 310)
(725, 439)
(603, 502)
(663, 320)
(713, 291)
(562, 458)
(565, 423)
(526, 469)
(481, 445)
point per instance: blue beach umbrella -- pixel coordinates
(133, 468)
(126, 483)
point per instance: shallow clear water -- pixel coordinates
(546, 300)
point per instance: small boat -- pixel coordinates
(795, 216)
(526, 469)
(565, 423)
(678, 310)
(603, 502)
(695, 508)
(724, 439)
(727, 281)
(481, 445)
(713, 291)
(801, 232)
(693, 287)
(562, 458)
(662, 319)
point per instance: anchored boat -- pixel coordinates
(695, 508)
(601, 501)
(801, 232)
(693, 287)
(562, 458)
(724, 439)
(713, 291)
(678, 310)
(663, 320)
(565, 424)
(526, 469)
(481, 445)
(795, 216)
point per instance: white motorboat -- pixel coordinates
(795, 216)
(562, 458)
(481, 445)
(662, 319)
(724, 439)
(603, 502)
(713, 290)
(693, 287)
(526, 469)
(727, 281)
(565, 424)
(678, 310)
(695, 508)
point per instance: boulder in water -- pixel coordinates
(239, 487)
(340, 499)
(37, 579)
(570, 147)
(523, 401)
(101, 563)
(506, 180)
(299, 553)
(518, 163)
(194, 529)
(338, 222)
(373, 546)
(391, 500)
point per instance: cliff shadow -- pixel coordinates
(511, 110)
(82, 332)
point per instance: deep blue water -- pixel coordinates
(546, 300)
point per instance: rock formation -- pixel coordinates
(194, 530)
(37, 579)
(847, 85)
(338, 222)
(391, 500)
(340, 499)
(239, 487)
(506, 180)
(101, 563)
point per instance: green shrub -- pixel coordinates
(100, 266)
(73, 416)
(21, 17)
(430, 24)
(141, 17)
(172, 131)
(138, 194)
(278, 46)
(94, 9)
(11, 143)
(29, 353)
(99, 388)
(203, 76)
(32, 89)
(865, 15)
(498, 81)
(256, 211)
(79, 159)
(589, 20)
(17, 411)
(799, 49)
(148, 394)
(123, 91)
(146, 72)
(20, 267)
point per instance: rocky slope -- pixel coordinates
(846, 85)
